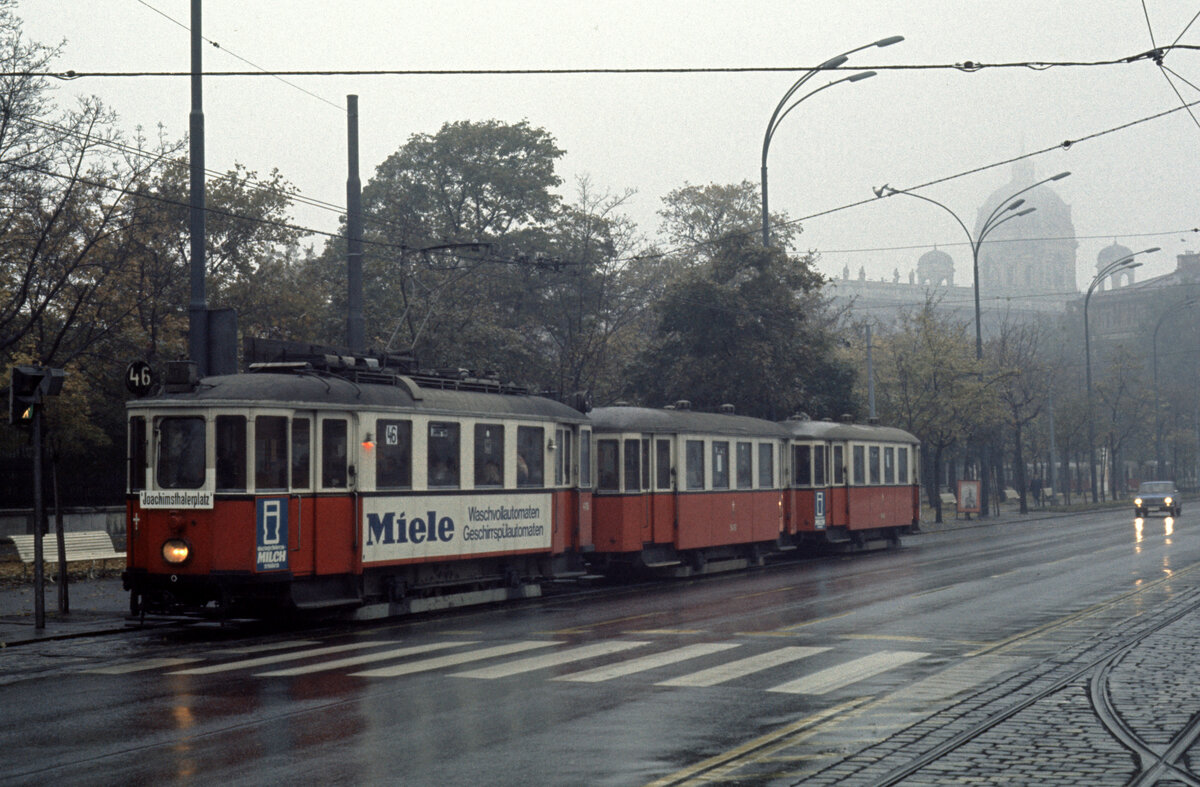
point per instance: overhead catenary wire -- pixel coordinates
(968, 65)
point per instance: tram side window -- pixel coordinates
(137, 453)
(180, 453)
(889, 465)
(301, 451)
(766, 465)
(443, 453)
(860, 465)
(270, 452)
(393, 456)
(695, 464)
(802, 459)
(585, 458)
(489, 455)
(606, 465)
(633, 470)
(818, 465)
(531, 456)
(231, 453)
(662, 464)
(902, 464)
(873, 463)
(745, 465)
(334, 458)
(839, 465)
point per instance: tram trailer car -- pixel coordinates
(289, 489)
(685, 492)
(851, 483)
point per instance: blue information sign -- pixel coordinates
(272, 537)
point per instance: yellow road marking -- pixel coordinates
(744, 754)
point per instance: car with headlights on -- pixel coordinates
(1156, 496)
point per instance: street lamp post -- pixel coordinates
(1001, 214)
(1124, 263)
(781, 112)
(1158, 455)
(1008, 209)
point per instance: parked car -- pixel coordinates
(1156, 496)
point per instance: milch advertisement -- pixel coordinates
(403, 528)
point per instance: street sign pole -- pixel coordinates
(39, 515)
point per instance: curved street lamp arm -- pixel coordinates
(1006, 204)
(988, 228)
(890, 191)
(776, 121)
(831, 63)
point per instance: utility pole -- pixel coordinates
(354, 225)
(198, 304)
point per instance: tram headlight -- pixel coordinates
(1137, 501)
(1167, 501)
(176, 551)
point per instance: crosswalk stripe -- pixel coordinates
(279, 657)
(354, 661)
(646, 662)
(454, 659)
(138, 666)
(295, 643)
(828, 680)
(549, 660)
(743, 667)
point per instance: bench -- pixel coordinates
(1010, 495)
(949, 502)
(92, 545)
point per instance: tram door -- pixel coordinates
(335, 516)
(302, 503)
(663, 500)
(637, 476)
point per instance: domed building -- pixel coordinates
(1032, 254)
(1107, 256)
(935, 268)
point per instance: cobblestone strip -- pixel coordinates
(1004, 718)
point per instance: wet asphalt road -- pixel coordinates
(623, 687)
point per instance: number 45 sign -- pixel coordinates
(139, 378)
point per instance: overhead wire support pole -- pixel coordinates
(198, 303)
(355, 333)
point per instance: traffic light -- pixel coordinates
(27, 389)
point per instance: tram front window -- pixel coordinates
(180, 462)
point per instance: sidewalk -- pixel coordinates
(97, 606)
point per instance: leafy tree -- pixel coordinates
(1023, 381)
(701, 218)
(929, 383)
(739, 323)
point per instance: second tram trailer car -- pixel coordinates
(851, 483)
(300, 488)
(685, 492)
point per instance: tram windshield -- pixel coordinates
(180, 461)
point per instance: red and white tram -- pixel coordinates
(341, 482)
(851, 482)
(357, 485)
(681, 488)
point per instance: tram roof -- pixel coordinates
(270, 389)
(649, 419)
(833, 430)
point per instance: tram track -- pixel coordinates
(1154, 762)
